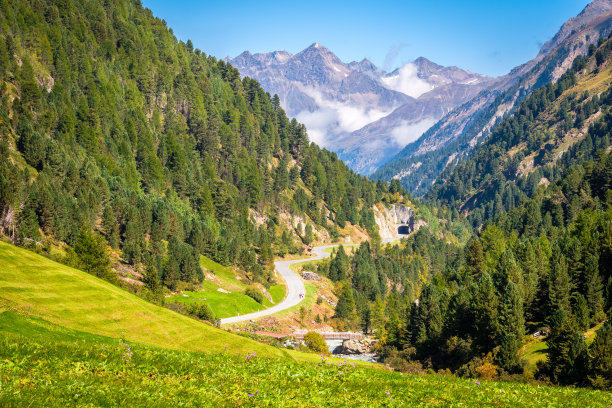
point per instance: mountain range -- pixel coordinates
(432, 115)
(447, 142)
(357, 109)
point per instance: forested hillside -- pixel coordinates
(453, 138)
(560, 125)
(539, 194)
(114, 133)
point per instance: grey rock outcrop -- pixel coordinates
(395, 222)
(308, 275)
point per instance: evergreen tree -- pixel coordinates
(474, 258)
(560, 286)
(511, 317)
(90, 249)
(577, 361)
(486, 313)
(339, 265)
(110, 227)
(593, 289)
(601, 358)
(345, 308)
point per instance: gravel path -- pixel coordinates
(295, 286)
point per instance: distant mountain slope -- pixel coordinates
(562, 124)
(449, 140)
(357, 109)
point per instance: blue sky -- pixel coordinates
(490, 36)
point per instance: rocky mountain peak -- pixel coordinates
(593, 10)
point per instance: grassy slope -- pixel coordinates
(42, 366)
(59, 345)
(226, 304)
(75, 300)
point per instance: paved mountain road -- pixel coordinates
(295, 286)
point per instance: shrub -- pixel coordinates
(487, 371)
(255, 294)
(201, 311)
(315, 342)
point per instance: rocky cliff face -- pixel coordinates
(389, 221)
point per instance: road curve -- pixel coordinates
(295, 286)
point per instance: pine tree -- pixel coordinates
(486, 313)
(308, 234)
(345, 308)
(560, 286)
(474, 258)
(593, 288)
(90, 249)
(581, 312)
(429, 312)
(601, 358)
(511, 316)
(508, 357)
(110, 227)
(577, 361)
(559, 341)
(338, 267)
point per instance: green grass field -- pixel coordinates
(41, 365)
(226, 304)
(76, 300)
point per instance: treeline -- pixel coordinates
(494, 179)
(434, 304)
(110, 126)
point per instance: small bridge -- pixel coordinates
(332, 335)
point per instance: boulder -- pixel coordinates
(352, 347)
(307, 275)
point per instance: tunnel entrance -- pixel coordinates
(403, 230)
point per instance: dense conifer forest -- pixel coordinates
(114, 133)
(540, 258)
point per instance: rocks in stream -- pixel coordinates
(363, 346)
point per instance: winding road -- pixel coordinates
(295, 286)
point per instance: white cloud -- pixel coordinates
(409, 132)
(334, 117)
(407, 81)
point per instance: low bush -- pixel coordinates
(255, 294)
(315, 342)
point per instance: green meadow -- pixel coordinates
(70, 339)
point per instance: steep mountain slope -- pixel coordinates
(344, 105)
(559, 125)
(449, 140)
(109, 124)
